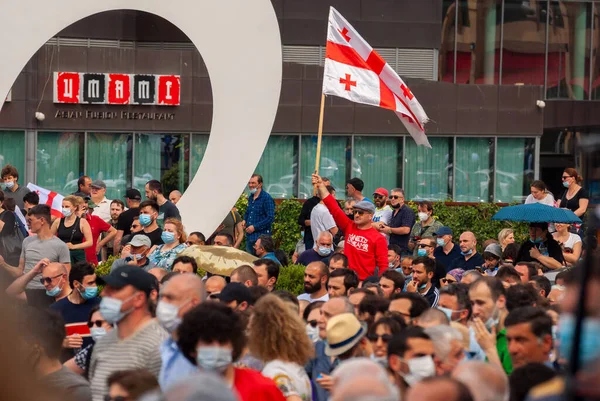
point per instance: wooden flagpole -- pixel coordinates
(320, 134)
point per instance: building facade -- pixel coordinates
(478, 67)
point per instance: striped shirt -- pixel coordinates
(139, 351)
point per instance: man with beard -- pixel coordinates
(423, 269)
(167, 208)
(315, 283)
(401, 222)
(383, 213)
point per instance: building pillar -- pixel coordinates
(489, 62)
(579, 52)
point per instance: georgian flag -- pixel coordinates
(50, 198)
(354, 71)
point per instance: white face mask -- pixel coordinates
(420, 368)
(423, 216)
(312, 332)
(168, 315)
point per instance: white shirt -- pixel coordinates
(573, 239)
(548, 200)
(320, 220)
(383, 215)
(102, 210)
(290, 378)
(306, 297)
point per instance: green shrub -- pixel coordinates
(291, 278)
(286, 231)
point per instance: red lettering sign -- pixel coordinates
(169, 88)
(66, 87)
(119, 88)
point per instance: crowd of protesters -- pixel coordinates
(396, 305)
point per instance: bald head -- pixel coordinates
(215, 284)
(360, 377)
(487, 382)
(53, 269)
(468, 242)
(188, 284)
(174, 196)
(439, 389)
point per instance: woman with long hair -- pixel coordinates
(278, 337)
(380, 334)
(174, 238)
(575, 198)
(8, 221)
(73, 230)
(570, 243)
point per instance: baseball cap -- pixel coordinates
(235, 292)
(130, 275)
(140, 240)
(382, 192)
(344, 331)
(133, 193)
(443, 230)
(494, 249)
(364, 205)
(98, 184)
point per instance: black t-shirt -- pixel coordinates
(154, 236)
(307, 207)
(440, 255)
(573, 203)
(473, 262)
(553, 250)
(126, 220)
(166, 211)
(76, 317)
(440, 273)
(9, 220)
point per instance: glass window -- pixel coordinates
(335, 156)
(515, 161)
(59, 161)
(108, 158)
(279, 168)
(428, 171)
(474, 170)
(12, 151)
(157, 157)
(199, 144)
(447, 49)
(378, 162)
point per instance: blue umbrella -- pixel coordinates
(536, 213)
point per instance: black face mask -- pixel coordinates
(397, 206)
(350, 216)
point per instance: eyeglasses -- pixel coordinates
(117, 398)
(313, 322)
(97, 323)
(396, 197)
(48, 280)
(445, 280)
(384, 337)
(564, 177)
(358, 212)
(424, 246)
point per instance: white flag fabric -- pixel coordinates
(354, 71)
(50, 198)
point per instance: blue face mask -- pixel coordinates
(167, 237)
(421, 252)
(466, 253)
(54, 292)
(252, 191)
(324, 251)
(89, 292)
(538, 240)
(423, 286)
(589, 347)
(97, 333)
(447, 312)
(9, 184)
(566, 184)
(66, 212)
(110, 309)
(145, 220)
(213, 359)
(441, 242)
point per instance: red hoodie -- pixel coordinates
(365, 249)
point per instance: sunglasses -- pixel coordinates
(48, 280)
(564, 177)
(134, 226)
(377, 196)
(97, 323)
(396, 197)
(384, 337)
(445, 280)
(313, 322)
(358, 212)
(424, 246)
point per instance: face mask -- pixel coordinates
(110, 309)
(213, 359)
(145, 220)
(420, 368)
(9, 184)
(423, 216)
(492, 322)
(137, 256)
(312, 333)
(381, 360)
(441, 242)
(66, 212)
(167, 237)
(421, 252)
(589, 347)
(324, 251)
(447, 312)
(566, 184)
(538, 240)
(89, 292)
(54, 292)
(396, 206)
(252, 191)
(301, 234)
(470, 251)
(391, 265)
(423, 286)
(167, 315)
(97, 333)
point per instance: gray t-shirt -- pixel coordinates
(35, 250)
(166, 211)
(70, 383)
(139, 351)
(17, 195)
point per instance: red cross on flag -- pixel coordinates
(50, 198)
(354, 71)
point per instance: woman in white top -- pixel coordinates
(540, 194)
(569, 242)
(277, 336)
